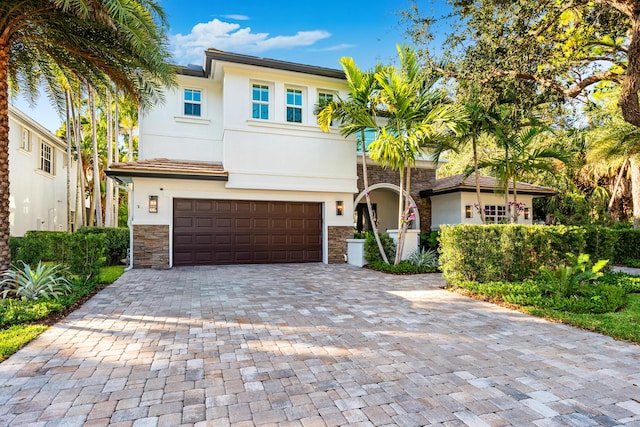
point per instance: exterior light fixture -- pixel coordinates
(527, 213)
(468, 213)
(153, 204)
(339, 208)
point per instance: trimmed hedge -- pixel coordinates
(493, 253)
(627, 244)
(116, 242)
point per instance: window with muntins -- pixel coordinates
(192, 102)
(46, 158)
(494, 214)
(294, 105)
(260, 102)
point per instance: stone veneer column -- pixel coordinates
(337, 243)
(151, 246)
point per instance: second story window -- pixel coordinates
(192, 102)
(260, 102)
(25, 142)
(294, 105)
(324, 98)
(46, 158)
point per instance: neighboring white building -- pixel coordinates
(37, 176)
(454, 201)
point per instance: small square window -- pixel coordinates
(294, 105)
(192, 102)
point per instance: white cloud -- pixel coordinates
(336, 47)
(232, 37)
(236, 17)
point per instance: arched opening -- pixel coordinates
(384, 201)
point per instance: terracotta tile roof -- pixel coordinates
(457, 182)
(167, 167)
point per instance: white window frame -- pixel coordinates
(495, 214)
(326, 93)
(186, 102)
(261, 102)
(47, 159)
(25, 139)
(294, 106)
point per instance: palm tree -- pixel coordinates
(356, 115)
(92, 40)
(417, 115)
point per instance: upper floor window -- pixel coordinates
(46, 158)
(192, 102)
(260, 102)
(324, 98)
(25, 141)
(294, 105)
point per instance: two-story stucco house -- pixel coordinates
(37, 176)
(234, 169)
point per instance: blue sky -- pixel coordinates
(314, 33)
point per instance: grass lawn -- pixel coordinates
(623, 324)
(23, 321)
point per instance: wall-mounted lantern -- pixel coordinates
(153, 204)
(527, 213)
(339, 208)
(467, 211)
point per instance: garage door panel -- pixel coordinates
(241, 232)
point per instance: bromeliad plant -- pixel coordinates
(43, 281)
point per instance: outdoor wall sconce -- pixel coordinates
(527, 212)
(153, 204)
(339, 208)
(467, 211)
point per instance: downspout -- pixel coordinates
(130, 225)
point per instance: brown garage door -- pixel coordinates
(209, 232)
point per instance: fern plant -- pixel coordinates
(568, 280)
(43, 281)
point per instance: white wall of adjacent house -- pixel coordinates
(266, 153)
(452, 208)
(168, 189)
(37, 176)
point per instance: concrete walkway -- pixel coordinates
(312, 345)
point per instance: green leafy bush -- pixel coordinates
(600, 243)
(405, 267)
(430, 240)
(371, 251)
(38, 246)
(15, 312)
(87, 254)
(43, 281)
(424, 258)
(631, 262)
(627, 244)
(570, 280)
(630, 284)
(14, 246)
(116, 242)
(13, 338)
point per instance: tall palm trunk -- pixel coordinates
(634, 164)
(365, 181)
(515, 202)
(116, 195)
(400, 218)
(623, 168)
(69, 159)
(402, 231)
(474, 144)
(5, 255)
(108, 213)
(96, 166)
(80, 187)
(506, 183)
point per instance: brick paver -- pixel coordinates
(312, 345)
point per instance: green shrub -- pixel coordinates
(116, 242)
(600, 243)
(38, 246)
(13, 338)
(633, 263)
(87, 254)
(15, 312)
(43, 281)
(627, 244)
(569, 280)
(424, 258)
(14, 246)
(430, 240)
(371, 251)
(630, 284)
(405, 267)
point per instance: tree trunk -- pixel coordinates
(116, 156)
(515, 202)
(108, 213)
(631, 85)
(474, 144)
(634, 165)
(402, 232)
(81, 213)
(5, 255)
(365, 181)
(617, 185)
(96, 165)
(400, 218)
(69, 158)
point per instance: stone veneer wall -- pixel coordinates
(337, 243)
(151, 246)
(421, 179)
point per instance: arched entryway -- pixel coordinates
(384, 199)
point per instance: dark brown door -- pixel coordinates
(209, 232)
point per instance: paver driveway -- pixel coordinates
(312, 345)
